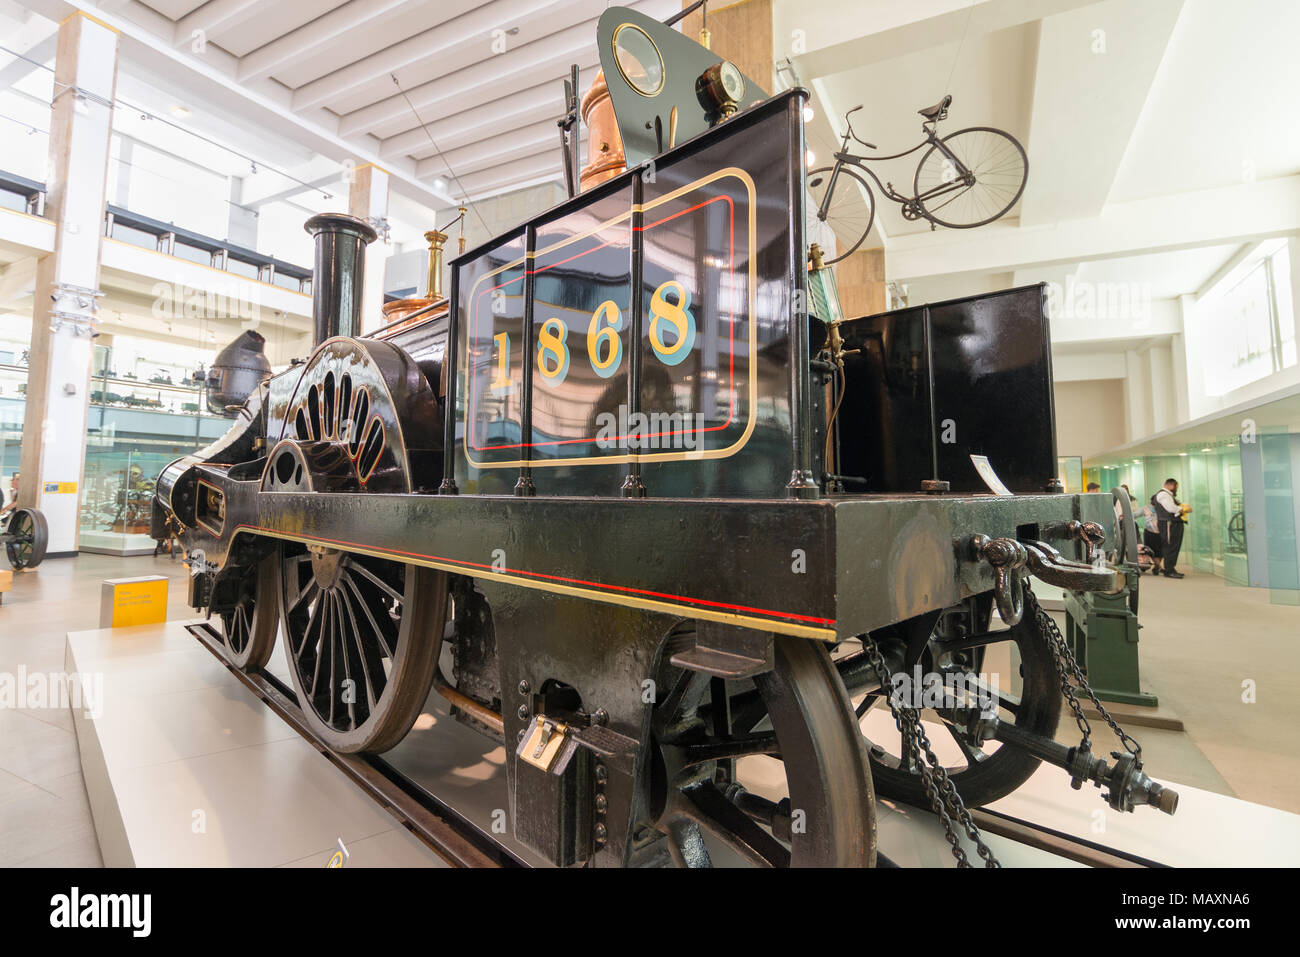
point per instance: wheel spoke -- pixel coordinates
(327, 628)
(303, 595)
(686, 844)
(351, 565)
(685, 693)
(972, 754)
(341, 628)
(709, 807)
(365, 608)
(362, 647)
(724, 749)
(315, 624)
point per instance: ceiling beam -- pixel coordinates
(297, 45)
(17, 280)
(35, 41)
(210, 19)
(499, 178)
(475, 24)
(481, 121)
(487, 153)
(836, 37)
(1210, 217)
(517, 69)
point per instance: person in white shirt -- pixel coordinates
(1170, 512)
(11, 498)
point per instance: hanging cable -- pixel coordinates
(454, 176)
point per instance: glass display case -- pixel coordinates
(1244, 516)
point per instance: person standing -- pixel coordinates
(1170, 513)
(11, 500)
(1151, 537)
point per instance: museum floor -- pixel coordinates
(1201, 641)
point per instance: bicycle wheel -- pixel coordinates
(999, 169)
(851, 211)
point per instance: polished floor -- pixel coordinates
(1216, 655)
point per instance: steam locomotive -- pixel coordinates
(671, 523)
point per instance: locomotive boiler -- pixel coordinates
(679, 536)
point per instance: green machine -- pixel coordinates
(1103, 629)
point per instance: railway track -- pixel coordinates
(447, 833)
(461, 843)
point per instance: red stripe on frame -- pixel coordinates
(830, 622)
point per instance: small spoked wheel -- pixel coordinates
(1010, 670)
(26, 538)
(362, 636)
(774, 774)
(996, 172)
(851, 211)
(248, 630)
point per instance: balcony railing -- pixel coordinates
(170, 239)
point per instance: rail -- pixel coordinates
(168, 236)
(449, 835)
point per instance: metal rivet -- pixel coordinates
(601, 716)
(601, 773)
(524, 687)
(601, 833)
(523, 712)
(602, 802)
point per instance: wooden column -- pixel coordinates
(860, 278)
(740, 32)
(368, 200)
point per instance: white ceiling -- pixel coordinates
(485, 78)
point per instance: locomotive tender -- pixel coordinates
(598, 473)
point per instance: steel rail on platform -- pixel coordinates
(443, 830)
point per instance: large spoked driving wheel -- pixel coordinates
(248, 630)
(362, 636)
(775, 775)
(1010, 669)
(26, 538)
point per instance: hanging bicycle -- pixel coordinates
(965, 179)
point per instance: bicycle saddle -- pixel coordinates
(939, 111)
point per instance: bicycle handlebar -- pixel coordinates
(848, 129)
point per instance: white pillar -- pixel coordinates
(67, 278)
(1137, 396)
(1161, 375)
(368, 200)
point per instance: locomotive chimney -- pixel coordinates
(338, 275)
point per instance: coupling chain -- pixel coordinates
(918, 757)
(1072, 676)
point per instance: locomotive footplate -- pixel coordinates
(829, 569)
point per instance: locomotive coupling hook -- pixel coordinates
(1008, 557)
(1012, 560)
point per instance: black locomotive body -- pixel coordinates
(601, 476)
